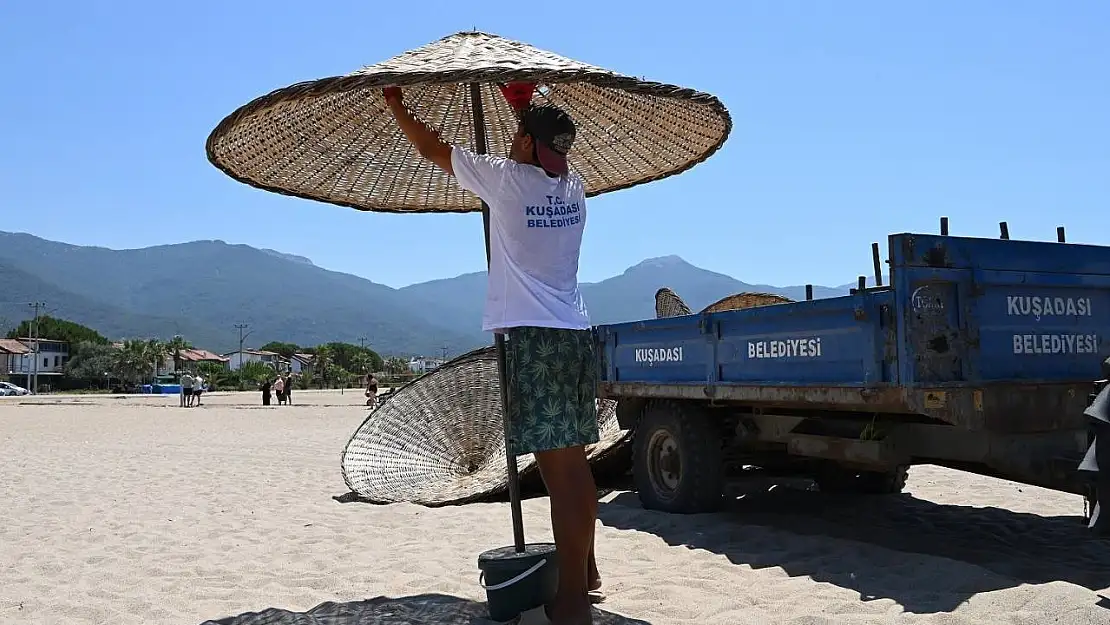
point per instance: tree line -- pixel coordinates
(94, 361)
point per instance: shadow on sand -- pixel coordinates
(428, 609)
(1019, 548)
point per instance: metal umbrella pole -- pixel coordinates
(499, 339)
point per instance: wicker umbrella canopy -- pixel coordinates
(440, 440)
(334, 139)
(740, 301)
(669, 304)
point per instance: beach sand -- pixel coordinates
(131, 510)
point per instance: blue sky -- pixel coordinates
(852, 120)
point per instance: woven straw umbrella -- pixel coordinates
(669, 304)
(439, 439)
(741, 301)
(335, 140)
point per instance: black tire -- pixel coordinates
(836, 479)
(677, 459)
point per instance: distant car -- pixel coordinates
(7, 388)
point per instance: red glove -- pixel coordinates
(518, 94)
(391, 92)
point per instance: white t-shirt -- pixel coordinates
(536, 225)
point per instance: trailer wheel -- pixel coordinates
(837, 479)
(677, 462)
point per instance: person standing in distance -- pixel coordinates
(186, 389)
(537, 216)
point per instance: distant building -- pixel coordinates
(191, 357)
(299, 362)
(25, 358)
(11, 356)
(420, 364)
(51, 357)
(272, 359)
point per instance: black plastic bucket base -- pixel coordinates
(500, 566)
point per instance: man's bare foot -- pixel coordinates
(593, 584)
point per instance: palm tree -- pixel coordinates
(322, 363)
(215, 374)
(155, 352)
(174, 347)
(396, 365)
(362, 362)
(132, 362)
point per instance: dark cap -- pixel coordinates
(553, 132)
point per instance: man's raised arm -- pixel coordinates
(426, 140)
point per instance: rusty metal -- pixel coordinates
(936, 256)
(937, 345)
(1003, 230)
(889, 325)
(1004, 409)
(943, 226)
(877, 262)
(871, 399)
(878, 454)
(1035, 407)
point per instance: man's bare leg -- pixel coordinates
(593, 577)
(570, 484)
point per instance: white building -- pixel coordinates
(12, 353)
(51, 357)
(272, 359)
(299, 362)
(43, 358)
(420, 364)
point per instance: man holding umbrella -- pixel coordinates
(537, 215)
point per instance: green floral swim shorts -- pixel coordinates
(552, 383)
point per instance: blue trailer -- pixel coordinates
(980, 355)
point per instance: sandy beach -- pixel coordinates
(132, 510)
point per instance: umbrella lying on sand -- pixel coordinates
(439, 439)
(335, 139)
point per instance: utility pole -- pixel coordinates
(366, 363)
(242, 337)
(34, 339)
(445, 352)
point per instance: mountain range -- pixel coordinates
(201, 289)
